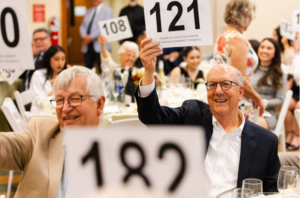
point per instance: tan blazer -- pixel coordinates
(38, 153)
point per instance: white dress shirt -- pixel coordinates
(223, 155)
(39, 90)
(98, 8)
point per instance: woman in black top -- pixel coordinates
(192, 56)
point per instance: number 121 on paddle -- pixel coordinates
(179, 23)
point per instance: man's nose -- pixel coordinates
(219, 88)
(66, 107)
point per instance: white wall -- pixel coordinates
(52, 8)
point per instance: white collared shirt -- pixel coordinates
(223, 159)
(223, 155)
(98, 8)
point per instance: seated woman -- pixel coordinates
(192, 56)
(269, 81)
(128, 53)
(54, 61)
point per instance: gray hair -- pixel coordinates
(128, 45)
(94, 84)
(239, 12)
(239, 78)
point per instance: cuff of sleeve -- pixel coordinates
(145, 91)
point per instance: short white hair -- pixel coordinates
(94, 84)
(128, 45)
(239, 78)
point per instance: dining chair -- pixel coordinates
(16, 122)
(23, 99)
(279, 129)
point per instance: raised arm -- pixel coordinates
(238, 53)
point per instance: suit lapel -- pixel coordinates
(206, 122)
(248, 147)
(56, 160)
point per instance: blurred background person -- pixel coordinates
(90, 31)
(233, 48)
(292, 140)
(135, 14)
(40, 44)
(255, 44)
(287, 51)
(192, 56)
(173, 57)
(54, 61)
(269, 81)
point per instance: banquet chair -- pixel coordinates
(279, 129)
(17, 124)
(297, 115)
(23, 99)
(134, 122)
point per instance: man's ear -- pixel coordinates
(100, 105)
(241, 92)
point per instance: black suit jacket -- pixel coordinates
(259, 147)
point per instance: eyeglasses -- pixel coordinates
(73, 101)
(36, 39)
(225, 85)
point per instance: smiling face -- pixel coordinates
(193, 58)
(266, 52)
(86, 114)
(224, 103)
(41, 41)
(58, 61)
(128, 58)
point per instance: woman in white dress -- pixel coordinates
(54, 61)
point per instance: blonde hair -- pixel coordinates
(239, 12)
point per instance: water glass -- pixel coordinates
(116, 90)
(242, 193)
(267, 194)
(287, 180)
(254, 184)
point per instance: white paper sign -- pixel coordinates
(165, 159)
(15, 47)
(179, 23)
(116, 29)
(11, 75)
(286, 29)
(296, 20)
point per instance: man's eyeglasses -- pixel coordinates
(41, 39)
(225, 85)
(73, 101)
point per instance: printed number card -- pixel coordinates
(166, 160)
(296, 20)
(179, 23)
(116, 29)
(15, 47)
(11, 75)
(286, 29)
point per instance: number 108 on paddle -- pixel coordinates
(179, 23)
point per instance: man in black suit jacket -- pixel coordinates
(253, 152)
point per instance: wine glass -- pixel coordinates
(267, 194)
(254, 184)
(287, 180)
(242, 193)
(116, 90)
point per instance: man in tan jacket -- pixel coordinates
(39, 152)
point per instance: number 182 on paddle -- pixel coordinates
(176, 23)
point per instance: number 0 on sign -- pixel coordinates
(15, 47)
(179, 23)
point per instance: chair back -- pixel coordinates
(297, 115)
(13, 116)
(134, 122)
(23, 99)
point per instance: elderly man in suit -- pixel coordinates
(39, 152)
(89, 31)
(236, 148)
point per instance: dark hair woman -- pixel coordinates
(269, 81)
(54, 61)
(192, 56)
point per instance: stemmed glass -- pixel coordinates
(116, 90)
(287, 180)
(242, 193)
(254, 184)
